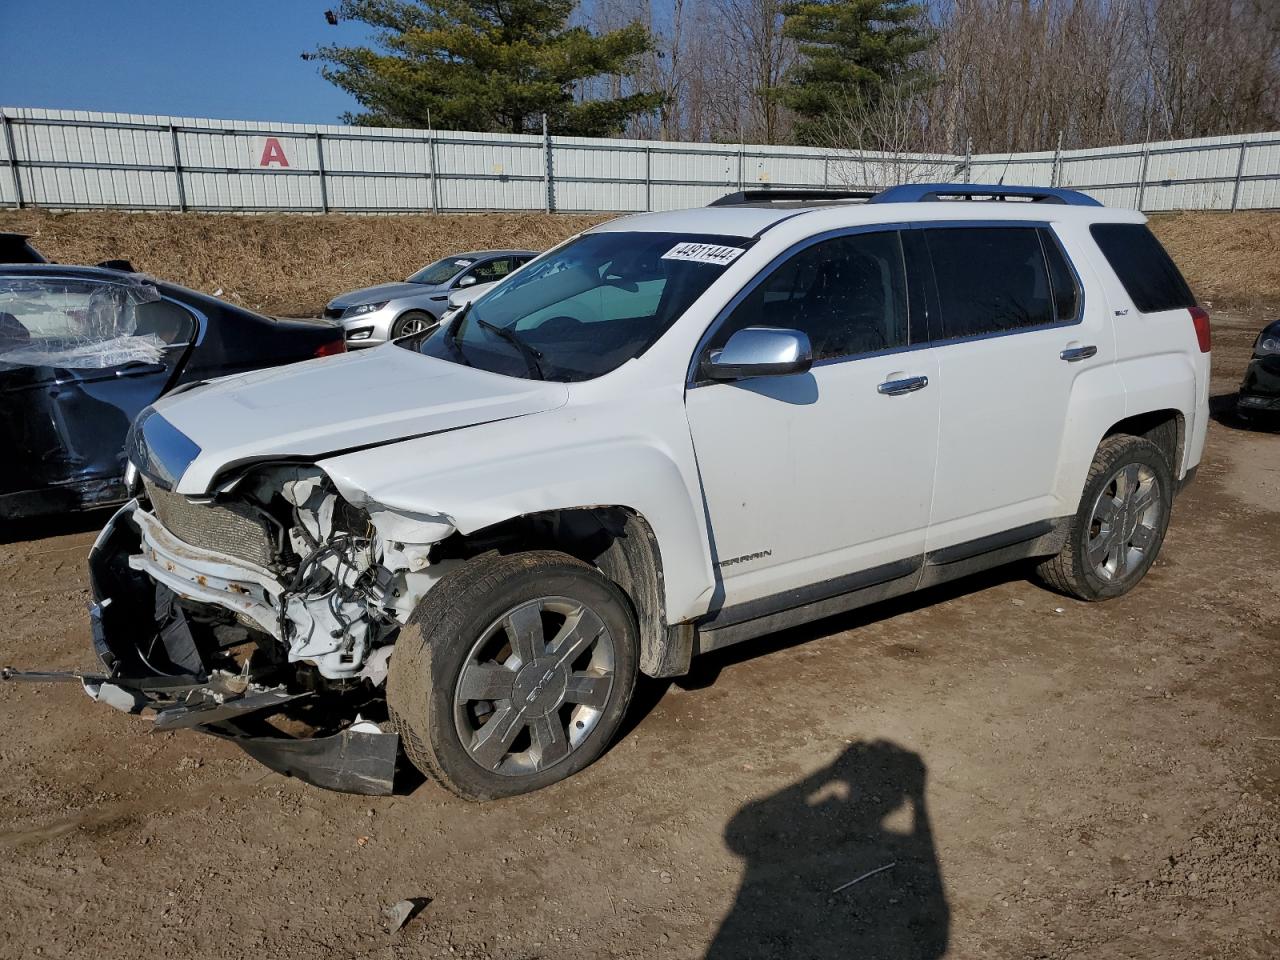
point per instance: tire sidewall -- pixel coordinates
(449, 653)
(1146, 453)
(397, 325)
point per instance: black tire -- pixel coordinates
(400, 327)
(1071, 571)
(440, 640)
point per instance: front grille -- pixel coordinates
(334, 313)
(236, 530)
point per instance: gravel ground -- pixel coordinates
(1047, 778)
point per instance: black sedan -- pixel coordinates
(84, 349)
(1260, 393)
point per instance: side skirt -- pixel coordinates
(731, 625)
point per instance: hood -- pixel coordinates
(464, 295)
(318, 407)
(383, 291)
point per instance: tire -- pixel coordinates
(472, 627)
(411, 321)
(1094, 564)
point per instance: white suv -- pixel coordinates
(671, 433)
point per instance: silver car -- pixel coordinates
(387, 311)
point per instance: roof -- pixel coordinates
(71, 270)
(477, 254)
(748, 213)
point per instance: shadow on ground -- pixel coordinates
(861, 819)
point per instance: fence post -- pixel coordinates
(741, 160)
(431, 169)
(548, 183)
(648, 179)
(13, 160)
(1142, 174)
(968, 159)
(1056, 179)
(324, 190)
(177, 169)
(1235, 192)
(826, 171)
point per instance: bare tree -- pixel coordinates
(883, 143)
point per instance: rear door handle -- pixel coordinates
(895, 388)
(1072, 354)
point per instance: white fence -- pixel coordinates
(70, 159)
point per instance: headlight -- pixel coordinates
(365, 308)
(1268, 345)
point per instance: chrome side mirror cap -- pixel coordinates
(467, 281)
(760, 352)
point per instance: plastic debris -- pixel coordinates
(401, 913)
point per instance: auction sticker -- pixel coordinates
(704, 253)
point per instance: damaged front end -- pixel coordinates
(265, 615)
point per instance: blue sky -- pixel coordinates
(227, 59)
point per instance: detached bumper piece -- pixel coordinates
(153, 664)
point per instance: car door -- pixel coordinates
(1013, 334)
(820, 482)
(85, 356)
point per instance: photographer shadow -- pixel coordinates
(847, 822)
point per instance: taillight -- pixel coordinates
(1200, 317)
(330, 348)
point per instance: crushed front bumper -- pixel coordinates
(153, 665)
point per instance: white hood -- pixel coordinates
(318, 407)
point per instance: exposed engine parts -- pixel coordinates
(338, 581)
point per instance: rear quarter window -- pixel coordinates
(1144, 269)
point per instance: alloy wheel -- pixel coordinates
(534, 686)
(1124, 523)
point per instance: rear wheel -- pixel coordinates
(513, 673)
(1118, 530)
(411, 322)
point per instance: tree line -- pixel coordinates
(933, 76)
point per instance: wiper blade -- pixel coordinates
(532, 356)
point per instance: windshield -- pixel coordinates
(442, 271)
(585, 308)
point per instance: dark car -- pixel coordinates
(1260, 392)
(84, 349)
(16, 248)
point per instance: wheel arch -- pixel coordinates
(1166, 428)
(618, 541)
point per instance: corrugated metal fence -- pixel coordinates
(70, 159)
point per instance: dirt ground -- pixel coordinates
(1042, 779)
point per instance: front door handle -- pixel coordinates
(895, 388)
(1072, 354)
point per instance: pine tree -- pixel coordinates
(487, 65)
(849, 50)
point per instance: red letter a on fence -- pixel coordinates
(272, 152)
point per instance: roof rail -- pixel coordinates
(924, 192)
(746, 197)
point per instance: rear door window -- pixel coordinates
(1147, 273)
(1066, 290)
(990, 280)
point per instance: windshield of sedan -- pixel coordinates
(585, 308)
(442, 271)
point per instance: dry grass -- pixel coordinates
(1230, 259)
(286, 264)
(291, 264)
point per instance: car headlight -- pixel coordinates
(1268, 345)
(365, 308)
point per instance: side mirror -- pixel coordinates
(468, 281)
(760, 352)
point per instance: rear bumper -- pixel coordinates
(153, 665)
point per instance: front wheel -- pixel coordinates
(1118, 530)
(411, 322)
(513, 673)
